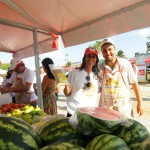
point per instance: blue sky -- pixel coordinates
(130, 43)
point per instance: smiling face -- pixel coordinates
(90, 60)
(109, 52)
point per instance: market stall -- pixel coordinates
(35, 30)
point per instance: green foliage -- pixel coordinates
(148, 43)
(97, 46)
(4, 66)
(68, 64)
(120, 54)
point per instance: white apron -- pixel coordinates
(115, 93)
(21, 97)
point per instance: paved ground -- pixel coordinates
(144, 119)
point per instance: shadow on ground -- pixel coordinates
(62, 107)
(144, 99)
(61, 95)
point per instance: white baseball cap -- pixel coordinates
(107, 40)
(14, 63)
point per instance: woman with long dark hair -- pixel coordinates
(49, 87)
(82, 90)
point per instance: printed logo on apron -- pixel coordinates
(89, 91)
(115, 92)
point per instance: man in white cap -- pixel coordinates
(22, 80)
(116, 75)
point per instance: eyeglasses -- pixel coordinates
(88, 84)
(91, 56)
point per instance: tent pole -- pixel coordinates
(38, 78)
(22, 26)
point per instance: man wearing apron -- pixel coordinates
(116, 75)
(22, 80)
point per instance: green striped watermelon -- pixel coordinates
(59, 130)
(16, 134)
(133, 133)
(145, 145)
(96, 120)
(107, 142)
(62, 146)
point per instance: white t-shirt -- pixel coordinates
(27, 76)
(80, 96)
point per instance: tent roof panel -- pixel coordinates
(76, 21)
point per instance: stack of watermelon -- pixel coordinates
(145, 145)
(98, 120)
(59, 130)
(62, 146)
(107, 142)
(16, 134)
(108, 131)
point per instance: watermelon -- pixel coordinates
(133, 133)
(16, 134)
(97, 120)
(62, 146)
(59, 130)
(145, 145)
(107, 142)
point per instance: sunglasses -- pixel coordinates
(91, 56)
(88, 84)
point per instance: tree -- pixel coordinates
(120, 54)
(4, 66)
(68, 64)
(148, 43)
(97, 46)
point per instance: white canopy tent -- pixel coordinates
(26, 25)
(77, 21)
